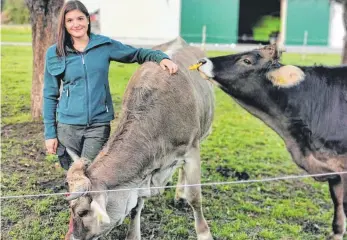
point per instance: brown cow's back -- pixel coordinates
(185, 95)
(162, 115)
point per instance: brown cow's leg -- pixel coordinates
(134, 230)
(193, 193)
(344, 180)
(337, 195)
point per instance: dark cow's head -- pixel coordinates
(246, 75)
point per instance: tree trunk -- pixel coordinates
(43, 16)
(344, 55)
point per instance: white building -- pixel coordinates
(150, 22)
(336, 30)
(140, 22)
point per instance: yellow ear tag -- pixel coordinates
(195, 66)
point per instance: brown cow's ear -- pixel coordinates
(286, 76)
(77, 180)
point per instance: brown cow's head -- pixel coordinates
(89, 218)
(90, 205)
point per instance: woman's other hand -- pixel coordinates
(51, 145)
(170, 65)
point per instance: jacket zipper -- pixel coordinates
(106, 98)
(87, 92)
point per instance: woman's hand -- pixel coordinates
(51, 145)
(170, 65)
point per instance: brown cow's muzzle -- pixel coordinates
(68, 235)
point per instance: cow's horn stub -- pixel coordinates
(271, 51)
(286, 76)
(72, 154)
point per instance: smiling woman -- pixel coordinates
(80, 60)
(74, 28)
(77, 25)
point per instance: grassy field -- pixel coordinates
(17, 33)
(295, 209)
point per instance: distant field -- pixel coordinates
(282, 210)
(10, 33)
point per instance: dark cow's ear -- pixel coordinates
(286, 76)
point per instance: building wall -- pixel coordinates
(150, 22)
(336, 29)
(140, 22)
(91, 5)
(221, 20)
(312, 16)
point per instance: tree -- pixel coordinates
(43, 18)
(2, 3)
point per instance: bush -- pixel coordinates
(266, 27)
(15, 12)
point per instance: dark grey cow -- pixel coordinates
(306, 106)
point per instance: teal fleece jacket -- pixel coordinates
(85, 98)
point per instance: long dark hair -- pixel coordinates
(64, 38)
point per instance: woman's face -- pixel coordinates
(76, 23)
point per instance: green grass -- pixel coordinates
(18, 33)
(292, 209)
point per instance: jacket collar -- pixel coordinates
(94, 41)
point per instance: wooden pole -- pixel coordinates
(203, 40)
(283, 15)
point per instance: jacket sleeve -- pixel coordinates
(50, 100)
(128, 54)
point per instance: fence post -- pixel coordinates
(203, 40)
(303, 55)
(283, 15)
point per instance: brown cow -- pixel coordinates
(163, 120)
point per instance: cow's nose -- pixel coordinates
(196, 66)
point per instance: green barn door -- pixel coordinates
(312, 16)
(220, 17)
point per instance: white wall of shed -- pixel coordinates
(336, 29)
(139, 22)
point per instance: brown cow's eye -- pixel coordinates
(83, 213)
(247, 61)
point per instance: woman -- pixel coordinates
(80, 119)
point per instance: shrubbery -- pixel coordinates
(15, 12)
